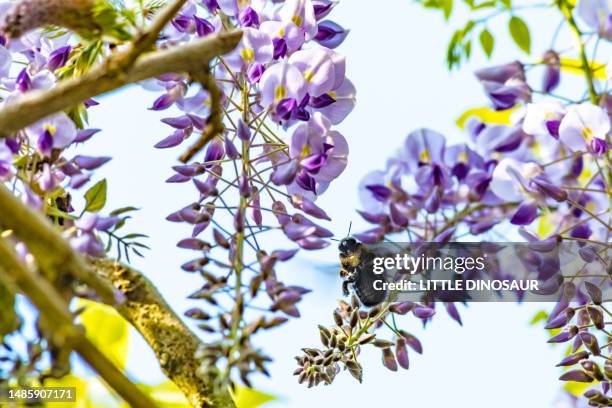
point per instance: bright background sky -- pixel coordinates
(395, 56)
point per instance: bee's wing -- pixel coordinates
(326, 267)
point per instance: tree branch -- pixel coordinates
(173, 343)
(171, 340)
(36, 105)
(214, 123)
(53, 253)
(57, 319)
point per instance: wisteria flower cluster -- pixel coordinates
(536, 166)
(272, 151)
(264, 114)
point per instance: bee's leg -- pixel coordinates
(350, 278)
(345, 287)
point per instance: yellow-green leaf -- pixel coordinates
(486, 115)
(540, 316)
(574, 66)
(249, 398)
(81, 389)
(165, 394)
(95, 197)
(576, 388)
(107, 330)
(487, 42)
(520, 33)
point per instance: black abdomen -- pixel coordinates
(364, 283)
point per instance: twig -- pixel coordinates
(36, 105)
(147, 39)
(214, 124)
(57, 318)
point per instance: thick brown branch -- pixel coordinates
(171, 340)
(36, 105)
(57, 319)
(53, 253)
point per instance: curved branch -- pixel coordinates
(54, 311)
(36, 105)
(173, 343)
(171, 340)
(53, 253)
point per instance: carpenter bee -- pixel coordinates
(356, 269)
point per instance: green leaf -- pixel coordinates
(249, 398)
(540, 316)
(487, 42)
(447, 7)
(506, 3)
(107, 330)
(95, 197)
(467, 49)
(520, 33)
(120, 211)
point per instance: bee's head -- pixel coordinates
(348, 245)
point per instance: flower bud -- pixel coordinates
(401, 354)
(388, 359)
(552, 74)
(573, 359)
(590, 342)
(594, 292)
(592, 369)
(596, 316)
(576, 375)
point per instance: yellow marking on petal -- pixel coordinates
(306, 151)
(587, 133)
(281, 32)
(308, 75)
(297, 20)
(550, 116)
(591, 207)
(425, 157)
(243, 3)
(280, 93)
(333, 94)
(49, 127)
(248, 55)
(463, 157)
(536, 147)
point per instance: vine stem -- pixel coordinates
(588, 74)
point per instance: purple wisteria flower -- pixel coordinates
(505, 84)
(255, 47)
(318, 155)
(544, 118)
(302, 14)
(597, 14)
(585, 126)
(54, 132)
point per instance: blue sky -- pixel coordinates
(395, 54)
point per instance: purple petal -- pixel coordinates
(59, 57)
(174, 139)
(90, 162)
(85, 134)
(525, 214)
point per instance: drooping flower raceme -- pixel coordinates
(282, 90)
(536, 166)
